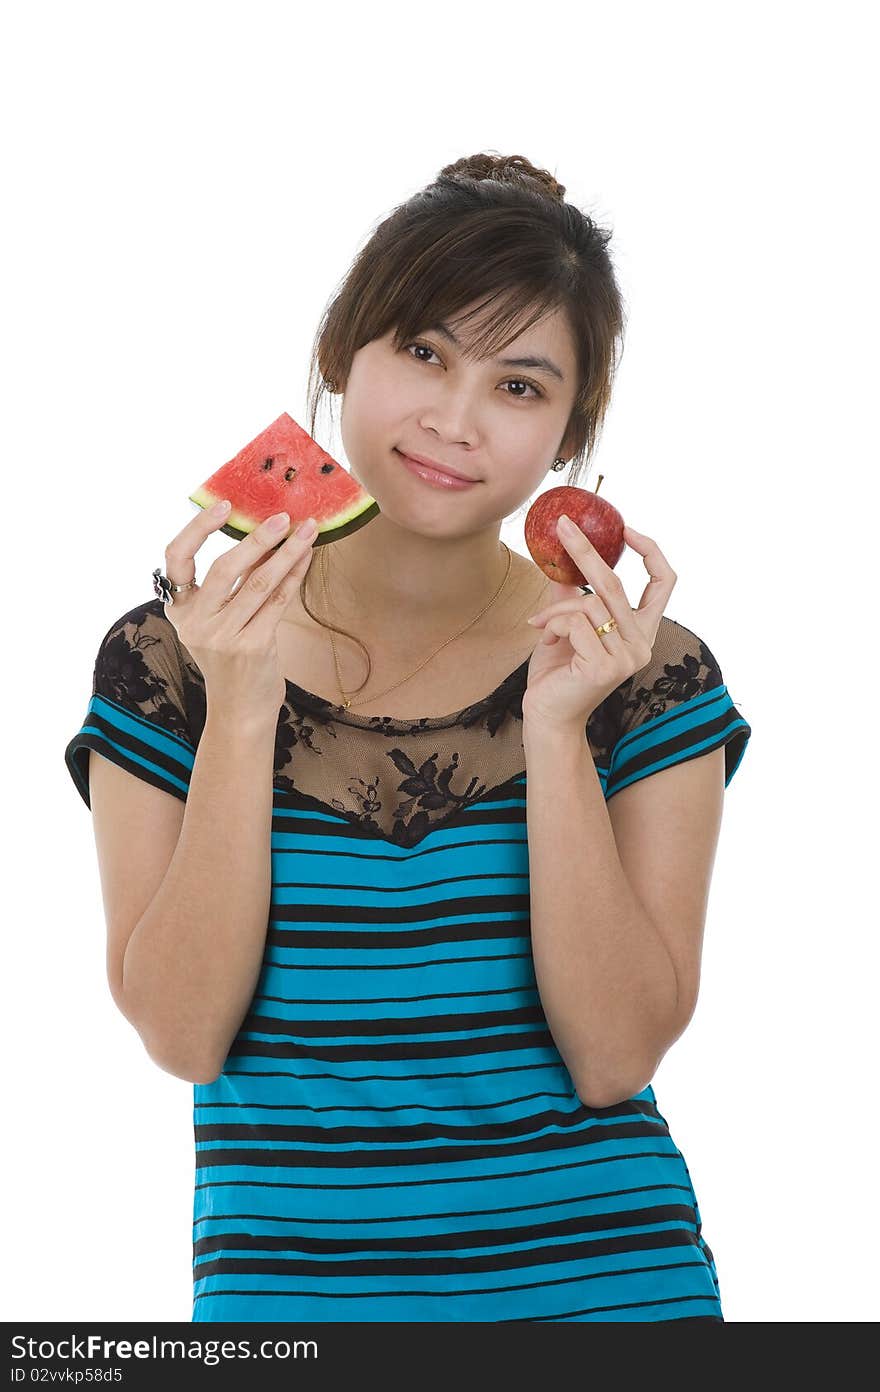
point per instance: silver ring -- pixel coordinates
(164, 588)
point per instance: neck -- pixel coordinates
(429, 586)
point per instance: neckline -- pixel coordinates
(398, 723)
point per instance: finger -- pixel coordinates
(603, 581)
(565, 606)
(586, 641)
(261, 561)
(256, 546)
(268, 582)
(578, 628)
(246, 574)
(180, 553)
(655, 595)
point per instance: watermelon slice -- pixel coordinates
(284, 470)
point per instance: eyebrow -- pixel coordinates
(541, 364)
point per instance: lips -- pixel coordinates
(438, 468)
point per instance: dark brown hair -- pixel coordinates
(493, 229)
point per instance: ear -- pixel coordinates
(567, 447)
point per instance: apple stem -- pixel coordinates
(599, 484)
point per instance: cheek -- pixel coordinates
(373, 408)
(522, 469)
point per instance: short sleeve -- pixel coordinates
(137, 714)
(674, 709)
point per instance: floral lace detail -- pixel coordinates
(402, 785)
(429, 791)
(424, 788)
(132, 669)
(681, 667)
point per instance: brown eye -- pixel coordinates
(517, 381)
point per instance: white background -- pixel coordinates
(186, 184)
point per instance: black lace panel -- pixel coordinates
(395, 779)
(139, 666)
(681, 667)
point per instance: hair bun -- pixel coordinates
(505, 169)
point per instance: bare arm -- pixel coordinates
(193, 960)
(606, 978)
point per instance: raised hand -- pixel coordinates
(573, 668)
(232, 635)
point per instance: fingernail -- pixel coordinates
(219, 508)
(307, 529)
(565, 522)
(279, 521)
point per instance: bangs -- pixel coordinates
(499, 270)
(516, 309)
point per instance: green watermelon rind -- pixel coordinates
(342, 524)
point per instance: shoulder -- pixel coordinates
(140, 715)
(142, 666)
(146, 630)
(141, 641)
(681, 666)
(674, 708)
(148, 616)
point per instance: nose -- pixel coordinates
(452, 420)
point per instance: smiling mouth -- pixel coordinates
(434, 468)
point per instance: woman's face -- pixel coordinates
(502, 425)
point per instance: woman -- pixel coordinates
(421, 966)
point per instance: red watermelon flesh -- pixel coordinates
(284, 470)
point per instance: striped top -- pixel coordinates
(394, 1135)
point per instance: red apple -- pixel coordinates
(598, 519)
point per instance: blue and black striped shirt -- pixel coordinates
(394, 1135)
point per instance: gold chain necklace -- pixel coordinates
(345, 700)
